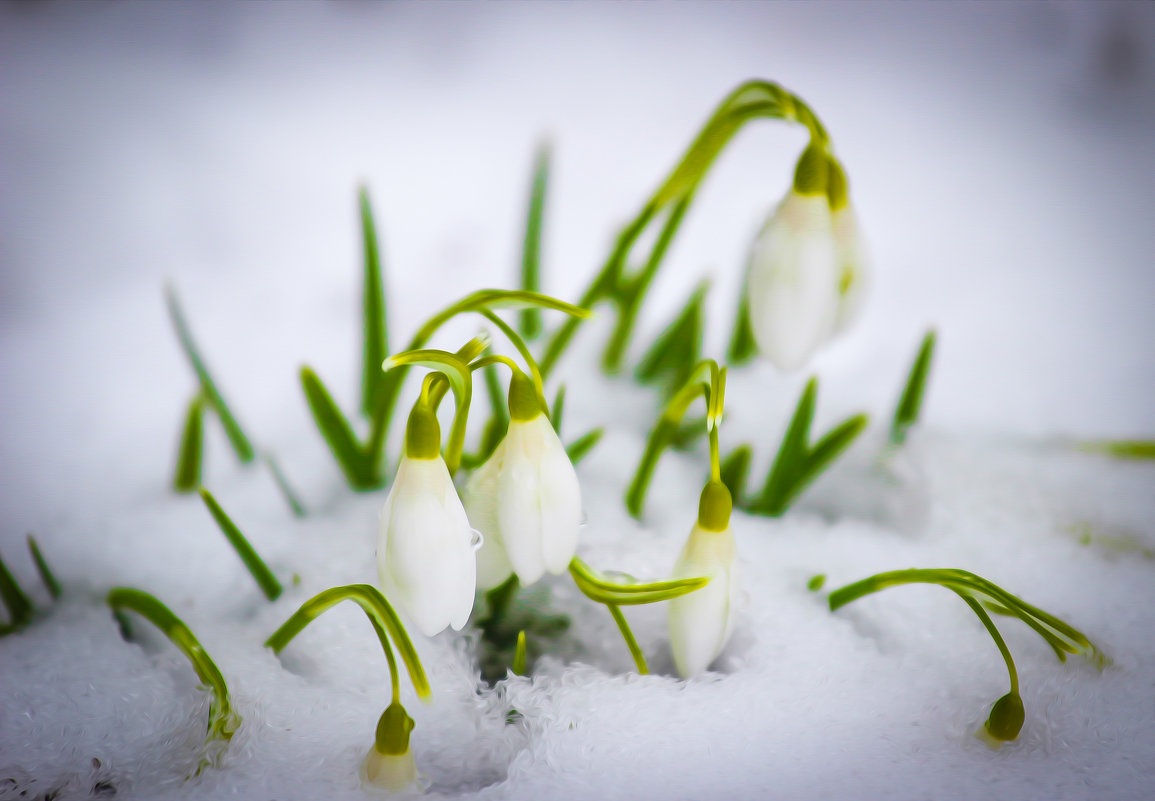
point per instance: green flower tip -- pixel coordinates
(393, 730)
(523, 402)
(714, 507)
(811, 174)
(1006, 720)
(422, 433)
(837, 190)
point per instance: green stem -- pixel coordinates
(631, 642)
(989, 625)
(379, 611)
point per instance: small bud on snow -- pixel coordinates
(700, 621)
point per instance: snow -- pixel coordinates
(1000, 160)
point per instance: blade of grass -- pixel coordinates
(20, 608)
(252, 560)
(375, 342)
(671, 358)
(772, 500)
(240, 442)
(338, 434)
(519, 655)
(734, 470)
(910, 402)
(283, 485)
(529, 321)
(188, 463)
(46, 574)
(631, 642)
(580, 447)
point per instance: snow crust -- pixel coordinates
(1000, 160)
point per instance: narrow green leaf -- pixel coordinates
(519, 655)
(375, 606)
(188, 463)
(338, 434)
(734, 470)
(46, 574)
(580, 447)
(240, 442)
(20, 608)
(557, 410)
(671, 359)
(742, 347)
(788, 464)
(283, 485)
(530, 319)
(823, 454)
(223, 720)
(910, 403)
(252, 560)
(375, 344)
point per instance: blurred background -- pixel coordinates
(1000, 157)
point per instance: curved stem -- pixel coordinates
(989, 624)
(628, 636)
(380, 613)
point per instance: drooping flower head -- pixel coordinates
(525, 499)
(425, 551)
(389, 765)
(700, 622)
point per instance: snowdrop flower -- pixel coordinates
(700, 621)
(425, 551)
(525, 499)
(794, 275)
(389, 765)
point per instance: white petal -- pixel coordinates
(561, 503)
(700, 622)
(793, 281)
(425, 556)
(519, 501)
(391, 772)
(480, 499)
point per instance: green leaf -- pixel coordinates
(530, 319)
(282, 482)
(249, 556)
(223, 720)
(734, 470)
(380, 613)
(910, 403)
(823, 453)
(375, 344)
(240, 442)
(20, 608)
(1130, 449)
(773, 499)
(188, 463)
(359, 472)
(580, 447)
(557, 410)
(46, 574)
(671, 359)
(742, 347)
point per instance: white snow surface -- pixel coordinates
(1001, 162)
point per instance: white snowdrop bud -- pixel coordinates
(700, 622)
(425, 550)
(389, 765)
(525, 499)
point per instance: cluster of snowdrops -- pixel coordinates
(515, 511)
